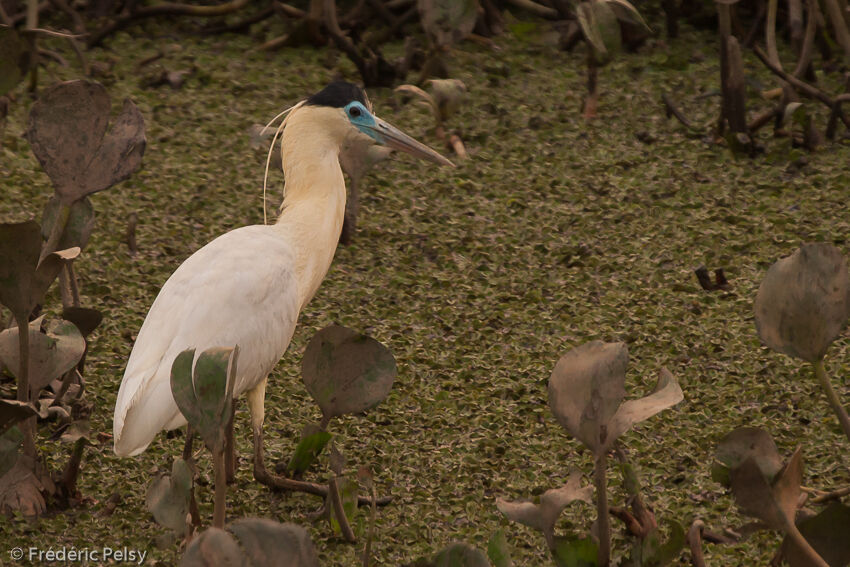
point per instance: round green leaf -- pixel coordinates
(461, 555)
(269, 543)
(586, 389)
(827, 534)
(168, 497)
(803, 302)
(347, 372)
(67, 131)
(51, 354)
(23, 280)
(742, 444)
(214, 548)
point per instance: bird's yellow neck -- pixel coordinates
(314, 195)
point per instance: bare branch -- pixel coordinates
(671, 109)
(695, 543)
(536, 9)
(165, 9)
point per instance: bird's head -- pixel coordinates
(347, 108)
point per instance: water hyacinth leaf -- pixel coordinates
(460, 555)
(14, 59)
(23, 488)
(827, 534)
(627, 13)
(80, 429)
(20, 246)
(51, 354)
(447, 21)
(214, 392)
(742, 444)
(544, 515)
(78, 227)
(498, 550)
(584, 13)
(586, 389)
(804, 301)
(651, 552)
(601, 29)
(774, 503)
(347, 372)
(214, 548)
(667, 393)
(86, 319)
(23, 280)
(336, 460)
(14, 411)
(168, 497)
(312, 443)
(98, 159)
(569, 552)
(269, 543)
(10, 442)
(205, 396)
(182, 387)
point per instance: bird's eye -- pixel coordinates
(354, 112)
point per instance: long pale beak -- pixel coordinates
(391, 136)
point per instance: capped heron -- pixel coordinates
(248, 286)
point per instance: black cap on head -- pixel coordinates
(338, 94)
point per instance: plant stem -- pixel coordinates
(230, 447)
(220, 488)
(65, 288)
(72, 469)
(323, 425)
(603, 525)
(31, 24)
(694, 539)
(839, 410)
(28, 425)
(56, 231)
(339, 510)
(367, 550)
(72, 283)
(805, 547)
(187, 447)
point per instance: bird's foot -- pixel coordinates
(276, 482)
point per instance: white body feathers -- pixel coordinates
(244, 288)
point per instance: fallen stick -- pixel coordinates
(670, 106)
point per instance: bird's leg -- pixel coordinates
(256, 406)
(230, 448)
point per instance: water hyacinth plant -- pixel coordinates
(768, 489)
(802, 306)
(586, 395)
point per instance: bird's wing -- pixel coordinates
(240, 289)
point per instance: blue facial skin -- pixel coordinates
(363, 119)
